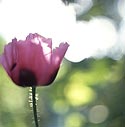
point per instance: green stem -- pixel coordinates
(34, 106)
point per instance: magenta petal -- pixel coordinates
(46, 43)
(58, 53)
(9, 57)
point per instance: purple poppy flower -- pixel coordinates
(32, 62)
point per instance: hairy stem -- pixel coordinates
(34, 106)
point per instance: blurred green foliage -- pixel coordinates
(2, 42)
(86, 94)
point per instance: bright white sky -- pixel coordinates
(52, 19)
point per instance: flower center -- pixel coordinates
(27, 78)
